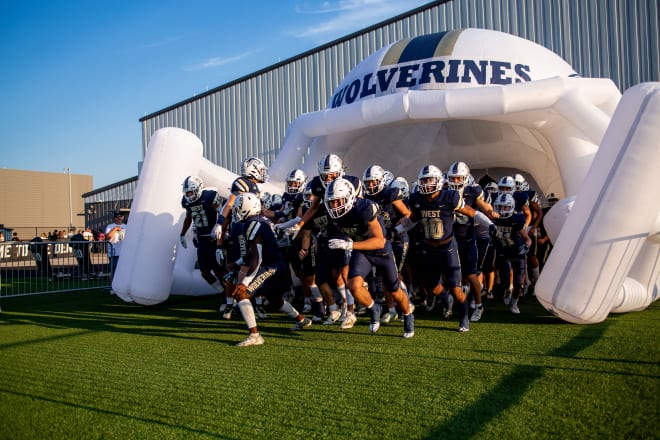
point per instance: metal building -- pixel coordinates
(617, 39)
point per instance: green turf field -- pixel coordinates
(86, 365)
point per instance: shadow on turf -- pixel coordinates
(510, 390)
(180, 317)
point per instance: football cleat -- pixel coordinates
(465, 325)
(333, 317)
(299, 325)
(514, 308)
(228, 311)
(261, 312)
(478, 312)
(349, 321)
(375, 318)
(253, 339)
(389, 317)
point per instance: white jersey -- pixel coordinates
(116, 240)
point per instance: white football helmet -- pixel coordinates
(491, 187)
(521, 183)
(192, 188)
(504, 205)
(255, 168)
(373, 179)
(401, 184)
(330, 168)
(295, 181)
(307, 195)
(458, 176)
(429, 179)
(339, 197)
(388, 177)
(245, 206)
(506, 185)
(274, 202)
(265, 198)
(552, 199)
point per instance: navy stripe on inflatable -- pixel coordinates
(422, 47)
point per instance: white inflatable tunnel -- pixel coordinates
(487, 98)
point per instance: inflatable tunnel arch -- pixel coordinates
(487, 98)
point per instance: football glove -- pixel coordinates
(231, 277)
(184, 243)
(293, 231)
(493, 231)
(338, 243)
(217, 231)
(220, 256)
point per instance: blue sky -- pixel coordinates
(77, 75)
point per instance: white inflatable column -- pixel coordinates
(145, 271)
(614, 213)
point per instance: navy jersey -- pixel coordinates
(259, 226)
(510, 240)
(463, 224)
(290, 205)
(521, 198)
(318, 224)
(319, 190)
(203, 211)
(436, 216)
(355, 223)
(384, 200)
(244, 185)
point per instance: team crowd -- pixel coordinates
(373, 245)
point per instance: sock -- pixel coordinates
(258, 301)
(289, 310)
(218, 287)
(245, 306)
(349, 298)
(533, 275)
(316, 293)
(342, 292)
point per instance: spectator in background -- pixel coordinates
(15, 237)
(2, 236)
(114, 233)
(87, 234)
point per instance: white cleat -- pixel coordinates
(333, 317)
(349, 321)
(253, 339)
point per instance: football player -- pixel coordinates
(357, 219)
(389, 200)
(512, 245)
(202, 206)
(330, 168)
(253, 171)
(458, 175)
(434, 208)
(537, 217)
(262, 269)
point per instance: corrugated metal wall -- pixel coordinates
(618, 39)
